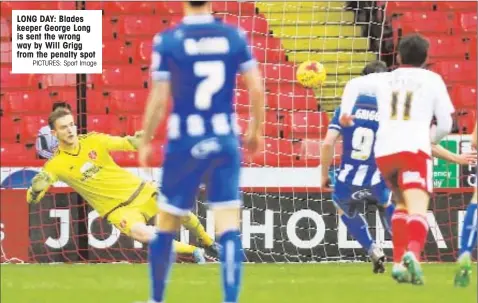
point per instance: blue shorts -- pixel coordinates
(351, 198)
(215, 162)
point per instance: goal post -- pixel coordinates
(287, 216)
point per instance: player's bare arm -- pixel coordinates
(154, 113)
(442, 111)
(439, 151)
(327, 154)
(252, 79)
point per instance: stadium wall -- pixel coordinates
(276, 228)
(287, 218)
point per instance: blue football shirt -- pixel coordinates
(201, 58)
(358, 167)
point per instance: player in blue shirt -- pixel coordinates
(197, 62)
(468, 234)
(358, 180)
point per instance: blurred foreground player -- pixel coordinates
(359, 179)
(84, 163)
(196, 62)
(408, 98)
(468, 235)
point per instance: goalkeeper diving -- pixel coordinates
(122, 198)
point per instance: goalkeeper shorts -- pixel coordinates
(140, 210)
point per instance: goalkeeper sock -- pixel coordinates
(191, 222)
(389, 210)
(469, 230)
(418, 228)
(183, 248)
(160, 259)
(358, 228)
(231, 257)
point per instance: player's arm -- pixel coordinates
(327, 148)
(249, 69)
(349, 97)
(159, 94)
(327, 154)
(116, 143)
(156, 106)
(368, 84)
(252, 79)
(442, 111)
(439, 151)
(40, 184)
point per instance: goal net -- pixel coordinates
(287, 216)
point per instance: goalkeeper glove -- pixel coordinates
(136, 138)
(39, 183)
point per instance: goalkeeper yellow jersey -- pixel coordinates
(93, 174)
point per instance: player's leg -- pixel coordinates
(467, 244)
(179, 186)
(399, 225)
(417, 204)
(225, 201)
(383, 195)
(145, 233)
(132, 221)
(192, 223)
(416, 185)
(355, 222)
(161, 254)
(231, 253)
(358, 228)
(399, 219)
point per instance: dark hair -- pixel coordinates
(413, 50)
(375, 67)
(58, 113)
(197, 3)
(61, 104)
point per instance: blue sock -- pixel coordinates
(231, 258)
(160, 259)
(358, 228)
(388, 216)
(468, 232)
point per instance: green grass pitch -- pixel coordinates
(263, 283)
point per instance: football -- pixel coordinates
(311, 74)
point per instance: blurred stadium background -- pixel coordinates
(281, 189)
